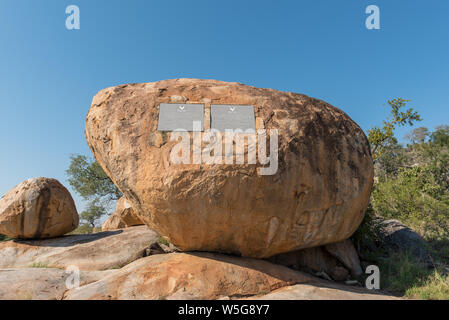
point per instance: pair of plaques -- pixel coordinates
(182, 117)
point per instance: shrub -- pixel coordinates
(414, 198)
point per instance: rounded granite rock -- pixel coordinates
(317, 196)
(37, 208)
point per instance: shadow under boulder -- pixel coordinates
(335, 261)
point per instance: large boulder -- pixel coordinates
(124, 216)
(317, 196)
(97, 251)
(37, 208)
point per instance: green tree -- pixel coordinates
(440, 137)
(436, 154)
(92, 214)
(381, 138)
(90, 181)
(392, 159)
(418, 135)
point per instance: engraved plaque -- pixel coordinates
(180, 116)
(232, 117)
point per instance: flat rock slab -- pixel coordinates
(323, 291)
(41, 283)
(212, 276)
(191, 276)
(98, 251)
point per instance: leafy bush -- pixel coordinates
(411, 185)
(416, 199)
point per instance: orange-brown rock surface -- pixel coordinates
(95, 251)
(127, 213)
(192, 276)
(317, 196)
(41, 283)
(37, 208)
(113, 222)
(124, 216)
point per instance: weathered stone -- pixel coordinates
(114, 222)
(345, 253)
(317, 261)
(317, 196)
(212, 276)
(191, 276)
(99, 251)
(128, 215)
(37, 208)
(124, 216)
(323, 291)
(41, 283)
(160, 248)
(397, 236)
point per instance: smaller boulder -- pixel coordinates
(124, 216)
(127, 213)
(38, 208)
(397, 236)
(113, 223)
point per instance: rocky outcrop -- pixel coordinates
(98, 251)
(41, 283)
(336, 261)
(345, 252)
(397, 236)
(317, 196)
(323, 291)
(37, 208)
(115, 265)
(127, 213)
(210, 276)
(191, 276)
(124, 216)
(114, 222)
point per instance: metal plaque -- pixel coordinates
(232, 117)
(180, 116)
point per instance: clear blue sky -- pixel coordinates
(48, 74)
